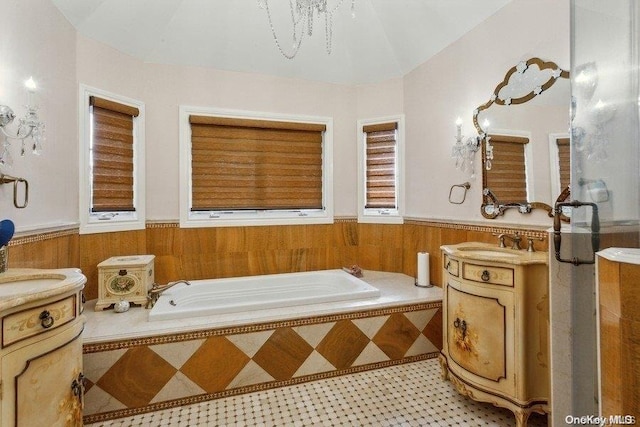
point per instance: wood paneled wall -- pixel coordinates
(196, 253)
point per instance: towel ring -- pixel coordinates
(7, 179)
(466, 187)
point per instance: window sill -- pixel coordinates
(378, 218)
(109, 224)
(239, 219)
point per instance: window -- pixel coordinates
(248, 169)
(380, 183)
(507, 178)
(111, 162)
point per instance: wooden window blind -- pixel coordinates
(381, 165)
(245, 164)
(564, 162)
(507, 178)
(112, 156)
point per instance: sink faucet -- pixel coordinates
(530, 240)
(515, 239)
(156, 290)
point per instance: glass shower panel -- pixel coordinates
(604, 167)
(605, 122)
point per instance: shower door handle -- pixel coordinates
(595, 231)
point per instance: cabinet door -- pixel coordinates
(480, 334)
(42, 382)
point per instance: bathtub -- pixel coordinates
(240, 294)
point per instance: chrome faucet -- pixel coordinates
(515, 239)
(156, 290)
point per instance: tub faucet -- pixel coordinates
(515, 239)
(156, 290)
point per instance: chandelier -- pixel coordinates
(302, 17)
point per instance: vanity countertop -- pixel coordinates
(493, 253)
(22, 285)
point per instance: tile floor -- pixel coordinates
(405, 395)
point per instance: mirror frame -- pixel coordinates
(491, 206)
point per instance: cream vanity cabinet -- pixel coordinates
(41, 381)
(496, 326)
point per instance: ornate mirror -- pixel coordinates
(526, 110)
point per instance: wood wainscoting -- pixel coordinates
(197, 253)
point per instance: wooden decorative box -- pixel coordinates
(124, 278)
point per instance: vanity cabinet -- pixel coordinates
(496, 326)
(41, 381)
(618, 298)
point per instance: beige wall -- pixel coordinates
(451, 84)
(163, 88)
(37, 41)
(458, 80)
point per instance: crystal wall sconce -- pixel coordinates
(464, 151)
(488, 148)
(29, 126)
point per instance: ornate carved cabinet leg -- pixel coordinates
(443, 366)
(522, 416)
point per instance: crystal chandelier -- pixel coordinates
(302, 17)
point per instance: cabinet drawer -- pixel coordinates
(487, 274)
(33, 321)
(451, 265)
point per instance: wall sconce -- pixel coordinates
(464, 152)
(29, 126)
(488, 148)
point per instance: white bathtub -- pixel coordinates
(218, 296)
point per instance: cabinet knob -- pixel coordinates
(46, 320)
(485, 275)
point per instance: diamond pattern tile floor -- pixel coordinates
(412, 394)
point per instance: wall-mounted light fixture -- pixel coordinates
(464, 151)
(29, 126)
(488, 148)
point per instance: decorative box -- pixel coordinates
(124, 278)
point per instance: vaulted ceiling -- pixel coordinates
(385, 38)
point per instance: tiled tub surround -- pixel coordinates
(134, 366)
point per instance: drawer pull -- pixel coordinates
(462, 325)
(448, 265)
(46, 320)
(485, 275)
(77, 386)
(78, 390)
